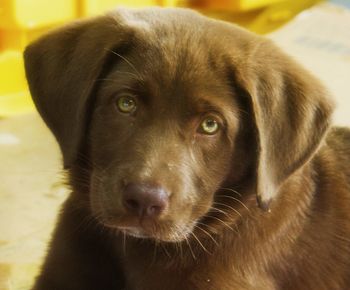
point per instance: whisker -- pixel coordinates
(235, 199)
(127, 61)
(124, 242)
(200, 243)
(220, 210)
(208, 234)
(181, 251)
(154, 258)
(189, 246)
(216, 209)
(208, 226)
(230, 207)
(232, 190)
(165, 250)
(227, 225)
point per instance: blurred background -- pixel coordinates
(316, 33)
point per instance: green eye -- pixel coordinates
(209, 126)
(126, 104)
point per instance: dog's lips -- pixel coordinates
(150, 231)
(134, 228)
(143, 233)
(136, 232)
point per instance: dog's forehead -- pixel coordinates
(178, 53)
(183, 43)
(171, 49)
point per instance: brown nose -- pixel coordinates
(144, 200)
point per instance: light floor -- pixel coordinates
(31, 191)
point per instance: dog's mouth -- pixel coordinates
(135, 232)
(159, 231)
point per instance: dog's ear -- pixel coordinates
(62, 68)
(291, 114)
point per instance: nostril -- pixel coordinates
(132, 204)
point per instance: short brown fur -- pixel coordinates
(274, 145)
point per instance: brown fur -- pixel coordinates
(273, 146)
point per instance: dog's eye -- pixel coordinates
(209, 126)
(126, 104)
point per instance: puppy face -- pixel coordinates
(166, 121)
(174, 113)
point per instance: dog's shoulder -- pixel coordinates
(336, 156)
(339, 135)
(338, 139)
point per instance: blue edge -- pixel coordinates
(345, 3)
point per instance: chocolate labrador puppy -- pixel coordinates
(199, 155)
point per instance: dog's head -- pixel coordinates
(175, 115)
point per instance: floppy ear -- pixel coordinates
(62, 68)
(291, 113)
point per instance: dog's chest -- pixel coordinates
(208, 275)
(171, 279)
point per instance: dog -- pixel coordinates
(199, 155)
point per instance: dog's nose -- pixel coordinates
(145, 200)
